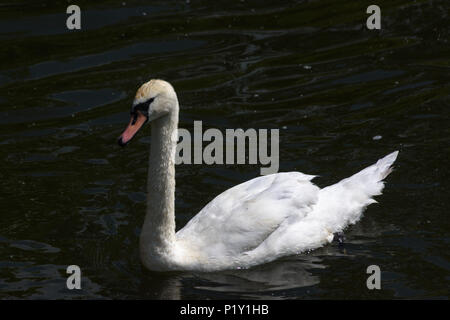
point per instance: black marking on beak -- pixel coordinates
(135, 116)
(120, 142)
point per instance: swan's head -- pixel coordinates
(153, 100)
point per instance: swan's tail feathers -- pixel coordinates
(343, 203)
(371, 178)
(384, 165)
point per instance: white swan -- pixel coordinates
(252, 223)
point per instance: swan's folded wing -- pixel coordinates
(242, 217)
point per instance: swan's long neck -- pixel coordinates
(158, 233)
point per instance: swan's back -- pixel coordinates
(242, 217)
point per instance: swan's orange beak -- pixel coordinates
(136, 122)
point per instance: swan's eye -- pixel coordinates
(143, 107)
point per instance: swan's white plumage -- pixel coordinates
(278, 215)
(252, 223)
(337, 206)
(241, 218)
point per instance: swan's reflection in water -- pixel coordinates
(261, 282)
(279, 275)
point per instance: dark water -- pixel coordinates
(70, 195)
